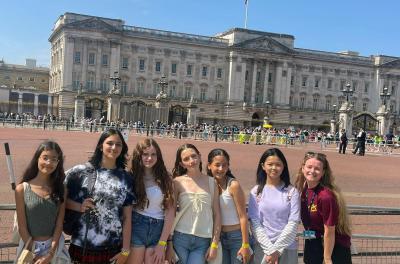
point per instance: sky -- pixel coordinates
(369, 27)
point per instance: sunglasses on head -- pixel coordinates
(313, 154)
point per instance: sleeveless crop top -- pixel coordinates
(229, 215)
(155, 197)
(198, 218)
(41, 213)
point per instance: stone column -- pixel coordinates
(79, 108)
(36, 105)
(266, 83)
(346, 118)
(84, 62)
(278, 83)
(68, 62)
(20, 102)
(253, 82)
(49, 104)
(231, 78)
(113, 107)
(382, 117)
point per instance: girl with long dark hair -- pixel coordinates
(40, 203)
(104, 229)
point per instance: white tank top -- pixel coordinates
(155, 208)
(229, 215)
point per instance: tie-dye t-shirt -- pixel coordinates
(112, 191)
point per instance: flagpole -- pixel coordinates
(245, 20)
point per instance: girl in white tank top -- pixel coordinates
(154, 212)
(234, 234)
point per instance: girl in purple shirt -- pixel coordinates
(274, 211)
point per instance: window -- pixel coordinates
(173, 68)
(258, 77)
(125, 63)
(304, 81)
(291, 80)
(342, 84)
(328, 104)
(247, 75)
(31, 79)
(140, 85)
(204, 71)
(124, 87)
(217, 95)
(158, 66)
(316, 82)
(203, 93)
(219, 73)
(104, 60)
(141, 65)
(91, 58)
(6, 77)
(189, 70)
(284, 73)
(315, 103)
(365, 106)
(270, 77)
(104, 83)
(77, 57)
(19, 78)
(329, 84)
(355, 85)
(393, 92)
(188, 92)
(76, 80)
(90, 81)
(172, 91)
(302, 102)
(366, 87)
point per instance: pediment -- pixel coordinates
(392, 64)
(264, 43)
(93, 24)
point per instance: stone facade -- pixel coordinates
(25, 88)
(229, 77)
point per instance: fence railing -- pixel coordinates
(374, 245)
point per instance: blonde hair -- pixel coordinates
(327, 181)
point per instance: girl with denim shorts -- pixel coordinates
(234, 230)
(197, 231)
(154, 212)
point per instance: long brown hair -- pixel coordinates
(160, 173)
(178, 169)
(327, 181)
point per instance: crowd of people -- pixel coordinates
(145, 214)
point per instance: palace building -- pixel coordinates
(239, 76)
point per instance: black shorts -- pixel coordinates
(314, 252)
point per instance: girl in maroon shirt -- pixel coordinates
(323, 212)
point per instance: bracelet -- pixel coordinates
(245, 245)
(125, 252)
(214, 245)
(162, 243)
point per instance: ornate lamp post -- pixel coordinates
(382, 114)
(348, 91)
(161, 104)
(114, 99)
(267, 112)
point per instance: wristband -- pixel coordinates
(214, 245)
(245, 245)
(125, 252)
(162, 243)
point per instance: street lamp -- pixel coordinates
(385, 95)
(348, 91)
(334, 108)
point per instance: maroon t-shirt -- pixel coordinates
(323, 209)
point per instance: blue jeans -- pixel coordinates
(231, 243)
(146, 231)
(190, 249)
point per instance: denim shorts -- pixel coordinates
(146, 231)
